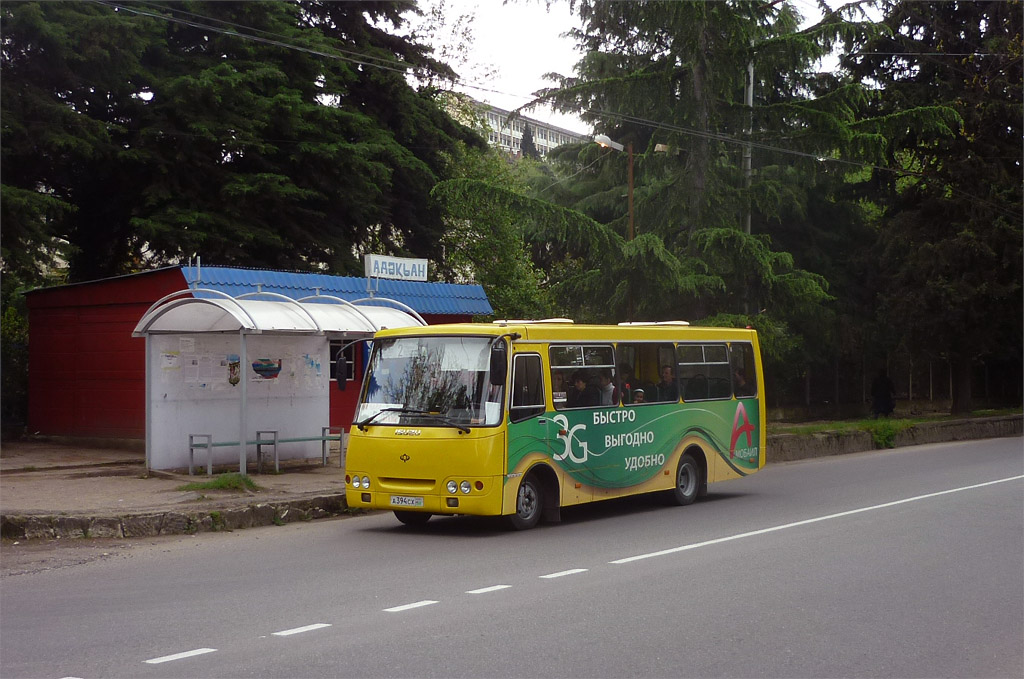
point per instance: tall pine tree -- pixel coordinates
(140, 134)
(952, 229)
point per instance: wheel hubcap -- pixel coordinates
(686, 479)
(527, 501)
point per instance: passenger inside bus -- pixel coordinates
(606, 386)
(667, 389)
(583, 394)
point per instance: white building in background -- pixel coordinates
(508, 135)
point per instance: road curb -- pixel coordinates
(149, 524)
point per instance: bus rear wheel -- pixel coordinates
(412, 518)
(688, 481)
(529, 505)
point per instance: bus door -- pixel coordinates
(529, 432)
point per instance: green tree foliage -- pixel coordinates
(950, 237)
(668, 77)
(274, 133)
(484, 239)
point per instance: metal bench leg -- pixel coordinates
(193, 444)
(260, 442)
(324, 444)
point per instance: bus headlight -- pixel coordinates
(464, 487)
(366, 482)
(355, 482)
(453, 487)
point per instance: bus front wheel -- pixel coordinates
(529, 505)
(688, 480)
(412, 518)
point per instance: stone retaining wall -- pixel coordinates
(789, 447)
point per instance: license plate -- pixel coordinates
(406, 501)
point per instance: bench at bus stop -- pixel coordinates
(264, 437)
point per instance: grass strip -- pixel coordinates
(232, 481)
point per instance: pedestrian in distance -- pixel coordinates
(882, 395)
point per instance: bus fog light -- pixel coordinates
(453, 487)
(464, 487)
(366, 482)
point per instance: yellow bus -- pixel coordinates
(520, 418)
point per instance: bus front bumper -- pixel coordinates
(485, 501)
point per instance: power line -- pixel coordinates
(363, 59)
(403, 68)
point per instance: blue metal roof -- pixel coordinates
(425, 298)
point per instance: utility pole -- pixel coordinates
(629, 147)
(748, 101)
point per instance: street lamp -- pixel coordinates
(603, 140)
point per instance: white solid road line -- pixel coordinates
(571, 571)
(179, 656)
(485, 590)
(406, 607)
(300, 630)
(773, 529)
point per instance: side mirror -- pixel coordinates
(341, 383)
(499, 363)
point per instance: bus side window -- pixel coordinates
(744, 376)
(527, 388)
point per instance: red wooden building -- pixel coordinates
(87, 372)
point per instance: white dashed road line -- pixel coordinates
(300, 630)
(774, 529)
(406, 607)
(180, 656)
(630, 559)
(571, 571)
(485, 590)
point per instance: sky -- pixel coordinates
(521, 42)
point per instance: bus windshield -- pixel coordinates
(430, 381)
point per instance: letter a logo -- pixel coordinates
(738, 430)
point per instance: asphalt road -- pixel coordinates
(905, 563)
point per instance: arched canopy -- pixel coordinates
(212, 311)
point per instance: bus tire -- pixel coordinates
(688, 481)
(414, 519)
(529, 504)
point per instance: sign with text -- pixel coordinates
(402, 268)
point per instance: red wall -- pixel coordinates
(86, 371)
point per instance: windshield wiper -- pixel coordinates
(410, 411)
(371, 418)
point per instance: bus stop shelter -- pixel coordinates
(228, 367)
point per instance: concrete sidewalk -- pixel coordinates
(50, 490)
(61, 490)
